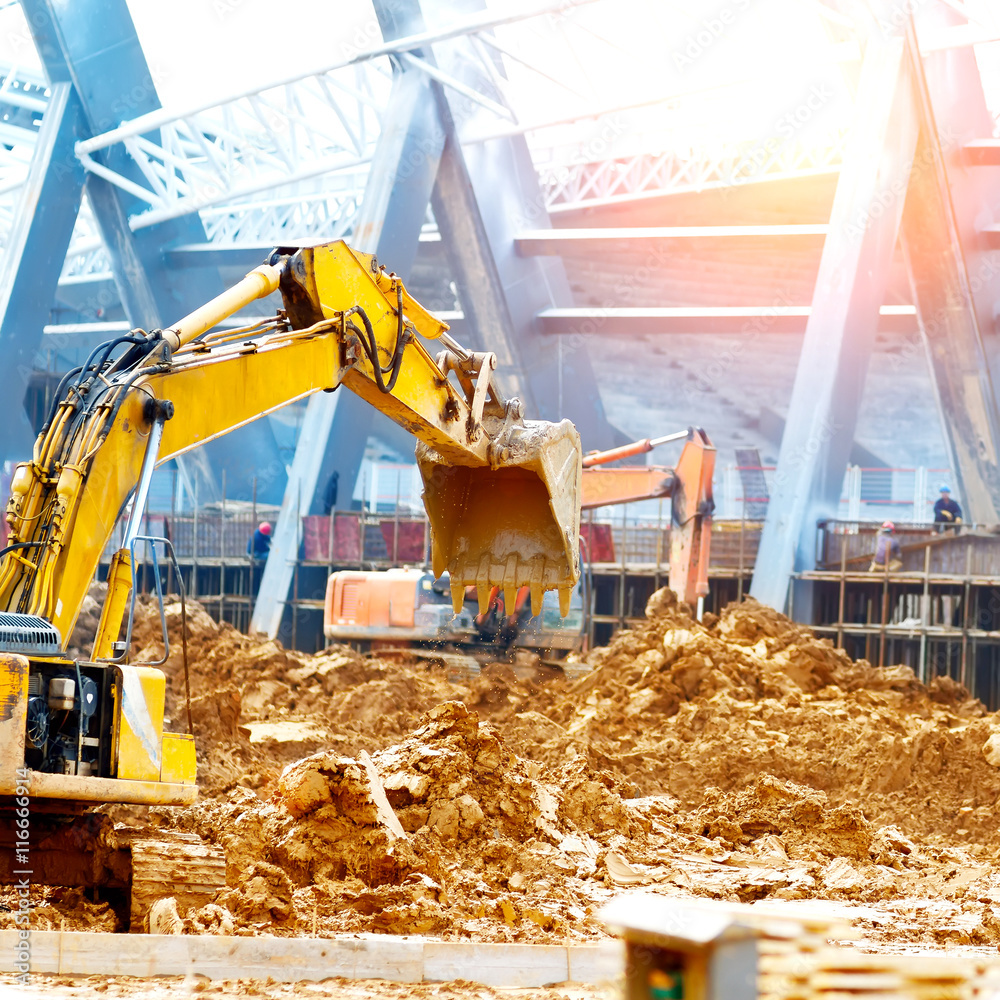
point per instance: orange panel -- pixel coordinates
(378, 600)
(402, 602)
(347, 599)
(375, 599)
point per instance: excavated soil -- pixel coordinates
(740, 758)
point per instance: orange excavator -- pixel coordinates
(409, 605)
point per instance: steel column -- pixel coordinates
(470, 259)
(850, 287)
(93, 44)
(33, 258)
(953, 305)
(336, 427)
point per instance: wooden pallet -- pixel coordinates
(832, 973)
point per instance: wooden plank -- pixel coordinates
(500, 965)
(373, 956)
(283, 959)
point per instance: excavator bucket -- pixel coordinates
(513, 525)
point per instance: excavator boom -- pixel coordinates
(502, 493)
(689, 486)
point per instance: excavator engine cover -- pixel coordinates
(513, 525)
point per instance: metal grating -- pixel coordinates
(28, 634)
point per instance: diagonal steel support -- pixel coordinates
(850, 287)
(471, 261)
(93, 45)
(943, 291)
(336, 426)
(33, 258)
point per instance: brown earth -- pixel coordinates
(741, 758)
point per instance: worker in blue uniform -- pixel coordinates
(947, 512)
(257, 549)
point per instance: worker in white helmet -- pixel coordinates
(887, 549)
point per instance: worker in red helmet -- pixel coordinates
(260, 544)
(257, 549)
(887, 550)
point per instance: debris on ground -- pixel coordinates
(737, 758)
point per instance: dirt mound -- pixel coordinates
(809, 827)
(740, 757)
(678, 707)
(54, 909)
(256, 706)
(446, 831)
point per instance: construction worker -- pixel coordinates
(887, 548)
(947, 511)
(260, 544)
(257, 549)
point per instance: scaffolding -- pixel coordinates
(939, 613)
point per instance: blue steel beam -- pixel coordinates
(94, 45)
(836, 349)
(664, 239)
(731, 320)
(502, 189)
(33, 258)
(955, 283)
(336, 426)
(470, 259)
(956, 107)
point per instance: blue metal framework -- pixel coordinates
(33, 256)
(840, 332)
(364, 146)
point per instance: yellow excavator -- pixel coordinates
(502, 495)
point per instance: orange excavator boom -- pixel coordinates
(689, 486)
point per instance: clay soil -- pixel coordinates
(740, 759)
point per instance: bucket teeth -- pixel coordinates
(565, 595)
(537, 593)
(510, 584)
(457, 598)
(483, 582)
(537, 584)
(509, 600)
(439, 564)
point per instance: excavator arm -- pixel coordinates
(689, 486)
(502, 493)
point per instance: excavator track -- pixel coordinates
(129, 868)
